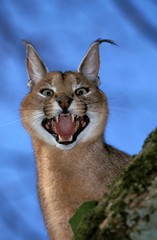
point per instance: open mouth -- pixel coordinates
(65, 128)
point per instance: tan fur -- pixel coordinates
(69, 176)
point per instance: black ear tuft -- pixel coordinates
(90, 64)
(100, 40)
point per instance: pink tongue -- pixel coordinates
(65, 127)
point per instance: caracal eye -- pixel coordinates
(47, 92)
(81, 91)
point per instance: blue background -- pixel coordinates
(62, 31)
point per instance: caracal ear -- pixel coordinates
(90, 64)
(36, 68)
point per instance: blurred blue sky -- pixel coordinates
(62, 31)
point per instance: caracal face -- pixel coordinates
(65, 109)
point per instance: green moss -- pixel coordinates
(150, 140)
(129, 208)
(92, 219)
(141, 170)
(80, 213)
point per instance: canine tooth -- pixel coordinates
(57, 118)
(60, 138)
(72, 117)
(71, 138)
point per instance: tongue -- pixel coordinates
(65, 128)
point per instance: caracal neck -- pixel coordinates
(84, 152)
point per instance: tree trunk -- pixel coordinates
(128, 210)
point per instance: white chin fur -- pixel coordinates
(66, 147)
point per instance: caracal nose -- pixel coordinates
(64, 102)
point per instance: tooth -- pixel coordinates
(60, 138)
(71, 138)
(47, 126)
(77, 125)
(65, 140)
(72, 117)
(83, 124)
(57, 118)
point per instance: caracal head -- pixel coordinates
(65, 109)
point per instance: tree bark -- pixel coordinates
(128, 211)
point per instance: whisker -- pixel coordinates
(17, 120)
(120, 109)
(35, 121)
(38, 99)
(117, 97)
(9, 110)
(95, 102)
(29, 109)
(10, 123)
(133, 111)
